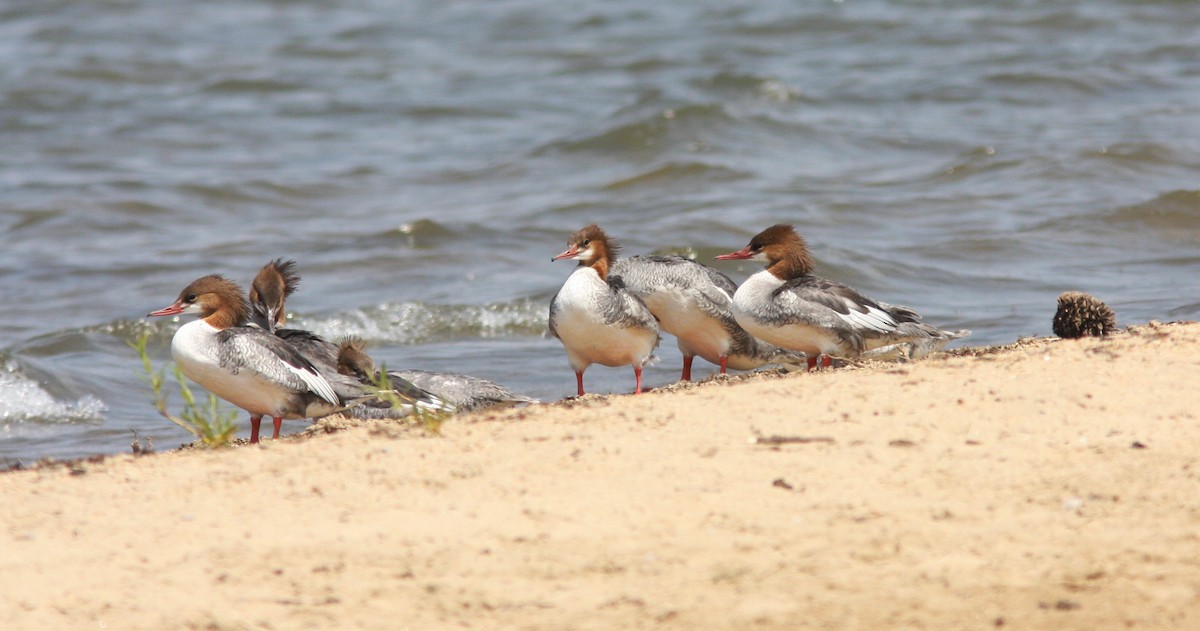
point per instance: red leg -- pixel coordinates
(724, 363)
(278, 425)
(826, 361)
(255, 421)
(687, 367)
(812, 361)
(579, 380)
(637, 372)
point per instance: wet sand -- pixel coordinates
(1048, 484)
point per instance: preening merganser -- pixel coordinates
(247, 366)
(595, 317)
(268, 304)
(694, 303)
(786, 305)
(464, 392)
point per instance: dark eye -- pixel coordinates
(190, 298)
(584, 243)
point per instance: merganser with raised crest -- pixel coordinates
(247, 366)
(786, 305)
(694, 303)
(273, 284)
(464, 392)
(597, 319)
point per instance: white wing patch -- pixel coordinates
(316, 384)
(873, 319)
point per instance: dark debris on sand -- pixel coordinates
(1082, 315)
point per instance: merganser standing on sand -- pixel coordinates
(268, 304)
(595, 317)
(786, 305)
(464, 392)
(694, 303)
(244, 365)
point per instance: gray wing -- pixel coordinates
(313, 347)
(855, 310)
(625, 309)
(322, 354)
(465, 392)
(711, 290)
(553, 315)
(272, 359)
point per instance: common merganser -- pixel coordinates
(273, 284)
(694, 303)
(247, 366)
(786, 305)
(464, 392)
(595, 317)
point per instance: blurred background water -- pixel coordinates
(423, 160)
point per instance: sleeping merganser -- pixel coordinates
(694, 303)
(595, 317)
(787, 306)
(464, 392)
(268, 304)
(245, 365)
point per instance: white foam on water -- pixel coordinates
(415, 322)
(24, 400)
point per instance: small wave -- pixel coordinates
(740, 84)
(23, 400)
(1140, 155)
(977, 161)
(251, 85)
(819, 23)
(1039, 84)
(1170, 217)
(1177, 210)
(678, 173)
(418, 322)
(655, 131)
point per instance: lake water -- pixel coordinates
(423, 160)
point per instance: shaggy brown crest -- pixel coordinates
(272, 286)
(604, 249)
(353, 360)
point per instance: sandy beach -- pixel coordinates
(1051, 484)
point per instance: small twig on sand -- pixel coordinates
(789, 440)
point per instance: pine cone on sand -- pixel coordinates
(1081, 314)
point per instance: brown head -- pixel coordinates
(592, 248)
(353, 360)
(781, 247)
(269, 292)
(214, 298)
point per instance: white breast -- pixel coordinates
(698, 333)
(777, 319)
(580, 322)
(195, 349)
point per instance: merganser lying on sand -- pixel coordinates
(786, 305)
(597, 319)
(464, 392)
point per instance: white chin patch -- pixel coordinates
(190, 309)
(583, 254)
(761, 256)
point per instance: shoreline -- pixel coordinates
(1042, 484)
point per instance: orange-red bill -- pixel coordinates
(743, 253)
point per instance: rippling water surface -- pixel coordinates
(423, 160)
